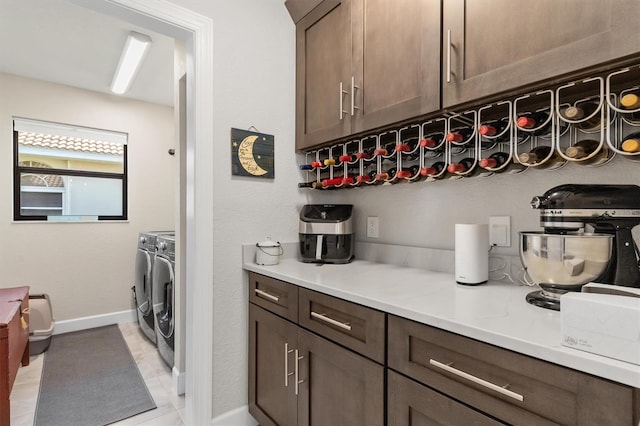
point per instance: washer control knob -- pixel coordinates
(162, 245)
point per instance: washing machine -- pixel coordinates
(145, 255)
(163, 296)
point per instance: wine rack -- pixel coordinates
(582, 122)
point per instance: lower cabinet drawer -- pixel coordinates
(412, 404)
(276, 296)
(506, 385)
(359, 328)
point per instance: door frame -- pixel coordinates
(196, 31)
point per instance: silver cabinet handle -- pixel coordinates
(325, 318)
(298, 358)
(353, 96)
(500, 389)
(267, 295)
(342, 93)
(448, 56)
(287, 351)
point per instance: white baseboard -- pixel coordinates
(177, 381)
(84, 323)
(238, 417)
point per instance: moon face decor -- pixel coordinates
(252, 154)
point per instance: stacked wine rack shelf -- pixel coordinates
(586, 122)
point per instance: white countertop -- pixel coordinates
(495, 313)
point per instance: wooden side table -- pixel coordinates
(14, 342)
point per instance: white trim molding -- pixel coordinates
(238, 417)
(76, 324)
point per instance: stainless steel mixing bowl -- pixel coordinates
(561, 263)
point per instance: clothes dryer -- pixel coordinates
(163, 296)
(145, 255)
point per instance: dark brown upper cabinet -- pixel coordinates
(496, 46)
(363, 64)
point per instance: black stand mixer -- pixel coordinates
(565, 256)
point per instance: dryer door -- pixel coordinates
(143, 281)
(163, 296)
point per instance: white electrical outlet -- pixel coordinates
(372, 227)
(500, 231)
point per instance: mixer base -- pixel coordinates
(538, 298)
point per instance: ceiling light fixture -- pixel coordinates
(134, 50)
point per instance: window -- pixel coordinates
(64, 172)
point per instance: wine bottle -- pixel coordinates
(630, 100)
(587, 147)
(582, 149)
(312, 185)
(345, 158)
(536, 157)
(459, 135)
(435, 169)
(495, 160)
(408, 172)
(631, 143)
(580, 111)
(306, 167)
(432, 140)
(381, 151)
(364, 154)
(466, 165)
(330, 162)
(533, 120)
(496, 127)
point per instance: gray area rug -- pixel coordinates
(90, 378)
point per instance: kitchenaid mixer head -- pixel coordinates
(609, 252)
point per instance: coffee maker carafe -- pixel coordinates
(587, 237)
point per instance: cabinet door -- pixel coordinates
(271, 397)
(499, 45)
(339, 388)
(412, 404)
(396, 60)
(323, 63)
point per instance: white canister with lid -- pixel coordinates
(268, 252)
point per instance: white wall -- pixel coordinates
(87, 268)
(254, 64)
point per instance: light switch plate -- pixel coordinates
(372, 227)
(500, 231)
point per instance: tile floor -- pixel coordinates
(156, 374)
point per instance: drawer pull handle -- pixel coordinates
(298, 382)
(287, 351)
(474, 379)
(267, 295)
(325, 318)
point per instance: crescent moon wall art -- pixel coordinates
(252, 154)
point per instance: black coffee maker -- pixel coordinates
(326, 233)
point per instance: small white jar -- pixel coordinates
(268, 252)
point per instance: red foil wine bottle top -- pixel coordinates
(347, 181)
(402, 174)
(345, 158)
(526, 122)
(488, 162)
(428, 143)
(363, 156)
(380, 151)
(426, 171)
(316, 164)
(403, 147)
(363, 178)
(486, 130)
(454, 137)
(455, 168)
(382, 176)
